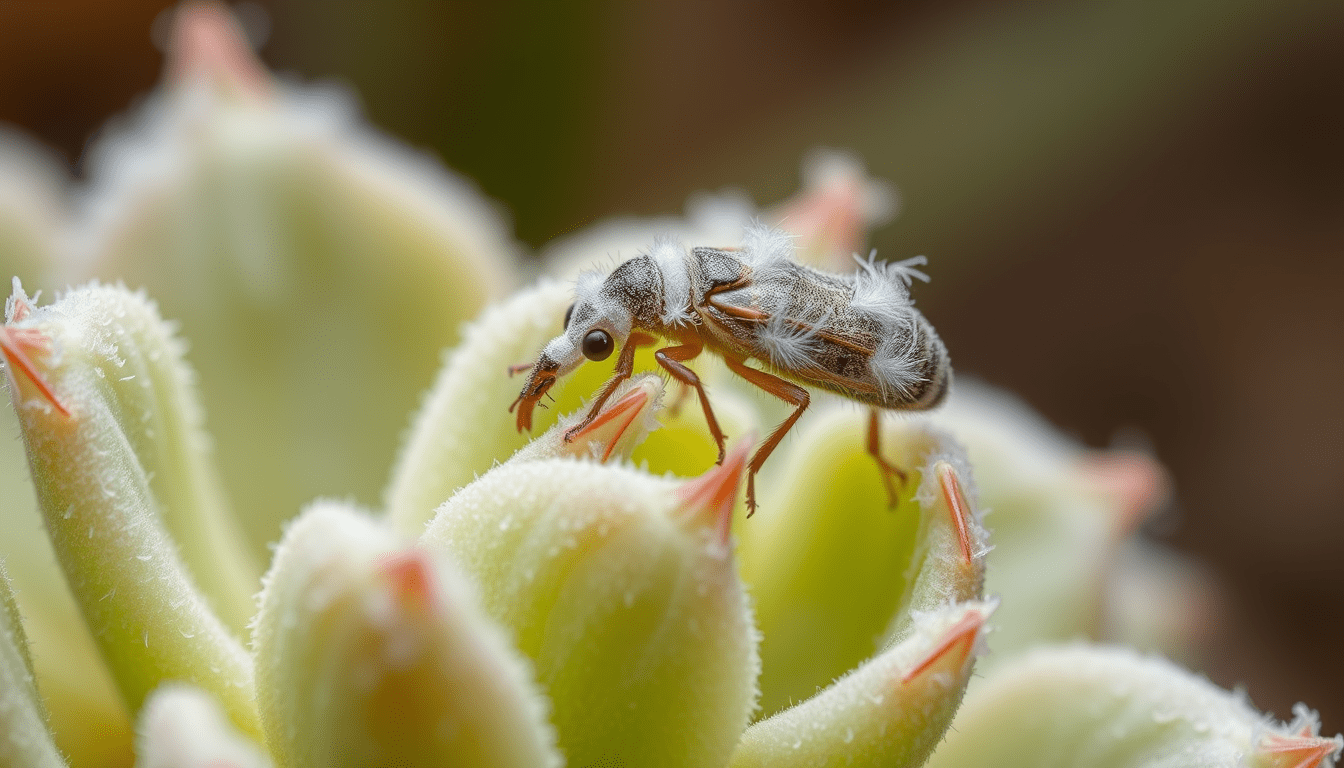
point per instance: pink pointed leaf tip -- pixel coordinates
(410, 576)
(620, 415)
(960, 510)
(712, 495)
(956, 645)
(207, 42)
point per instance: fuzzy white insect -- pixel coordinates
(858, 335)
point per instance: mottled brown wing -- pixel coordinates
(798, 325)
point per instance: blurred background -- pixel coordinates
(1134, 212)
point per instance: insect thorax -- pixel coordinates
(654, 288)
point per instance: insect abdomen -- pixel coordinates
(890, 359)
(918, 378)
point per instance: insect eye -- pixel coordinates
(597, 345)
(568, 314)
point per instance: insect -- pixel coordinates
(858, 335)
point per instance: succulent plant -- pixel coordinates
(510, 600)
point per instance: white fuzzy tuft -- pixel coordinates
(791, 345)
(894, 364)
(767, 251)
(593, 306)
(762, 243)
(882, 290)
(903, 270)
(670, 256)
(589, 285)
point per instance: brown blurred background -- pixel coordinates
(1134, 211)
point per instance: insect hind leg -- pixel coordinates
(671, 359)
(886, 468)
(784, 390)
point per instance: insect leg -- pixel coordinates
(784, 390)
(671, 358)
(742, 313)
(625, 365)
(885, 467)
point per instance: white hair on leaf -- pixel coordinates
(670, 257)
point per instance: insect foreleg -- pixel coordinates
(625, 365)
(784, 390)
(885, 467)
(671, 358)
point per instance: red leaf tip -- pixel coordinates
(712, 495)
(618, 417)
(410, 575)
(958, 507)
(17, 343)
(1300, 751)
(1135, 481)
(207, 41)
(956, 644)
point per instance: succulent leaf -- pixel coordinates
(835, 573)
(890, 712)
(464, 427)
(102, 474)
(182, 727)
(1112, 708)
(626, 598)
(24, 737)
(370, 653)
(317, 266)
